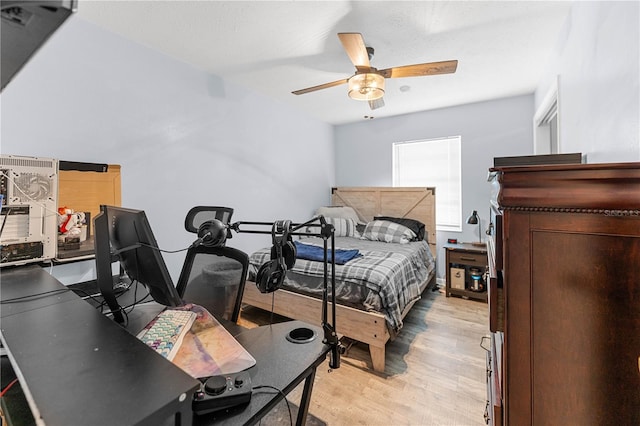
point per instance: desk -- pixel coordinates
(279, 363)
(77, 366)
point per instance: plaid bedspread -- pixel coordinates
(391, 273)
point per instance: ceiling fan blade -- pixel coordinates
(320, 87)
(417, 70)
(376, 103)
(353, 44)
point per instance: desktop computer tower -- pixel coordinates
(29, 214)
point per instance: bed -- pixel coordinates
(371, 302)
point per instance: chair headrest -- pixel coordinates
(200, 214)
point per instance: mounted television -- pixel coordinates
(125, 235)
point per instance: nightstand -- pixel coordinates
(466, 271)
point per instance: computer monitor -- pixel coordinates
(124, 235)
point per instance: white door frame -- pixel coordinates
(549, 107)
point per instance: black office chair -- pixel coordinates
(213, 277)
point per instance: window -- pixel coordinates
(433, 162)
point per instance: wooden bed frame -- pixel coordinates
(363, 326)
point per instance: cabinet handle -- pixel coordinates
(468, 259)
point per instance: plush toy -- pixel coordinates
(70, 222)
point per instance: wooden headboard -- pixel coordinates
(407, 202)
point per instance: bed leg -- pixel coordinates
(377, 357)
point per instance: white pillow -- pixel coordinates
(342, 227)
(339, 211)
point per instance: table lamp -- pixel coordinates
(474, 219)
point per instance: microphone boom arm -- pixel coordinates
(326, 232)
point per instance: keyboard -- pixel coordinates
(165, 332)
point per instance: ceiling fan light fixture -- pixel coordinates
(366, 86)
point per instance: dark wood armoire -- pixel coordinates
(564, 295)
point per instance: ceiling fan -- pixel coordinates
(367, 84)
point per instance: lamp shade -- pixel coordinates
(474, 219)
(366, 86)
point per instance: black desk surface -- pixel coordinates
(77, 366)
(20, 294)
(279, 363)
(76, 363)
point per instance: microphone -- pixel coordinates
(212, 233)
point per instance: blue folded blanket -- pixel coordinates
(309, 252)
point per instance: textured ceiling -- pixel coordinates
(275, 47)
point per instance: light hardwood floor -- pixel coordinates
(435, 371)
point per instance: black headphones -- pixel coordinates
(283, 256)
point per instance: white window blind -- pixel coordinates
(433, 162)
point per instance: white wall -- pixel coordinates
(89, 95)
(490, 129)
(597, 61)
(182, 136)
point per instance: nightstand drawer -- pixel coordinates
(468, 258)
